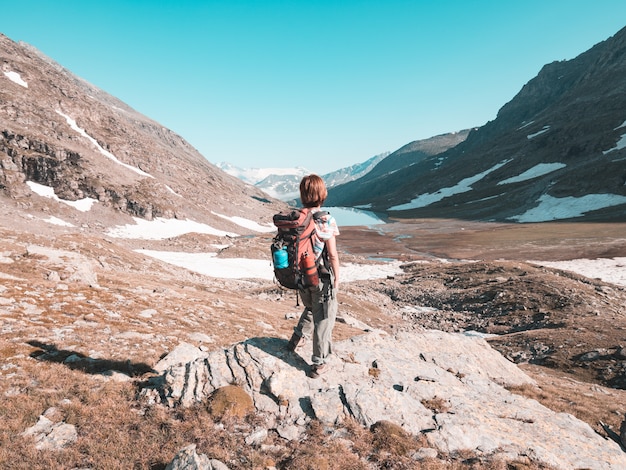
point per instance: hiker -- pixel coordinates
(320, 302)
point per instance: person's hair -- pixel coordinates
(312, 191)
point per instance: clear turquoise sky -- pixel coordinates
(319, 84)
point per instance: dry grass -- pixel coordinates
(436, 404)
(563, 393)
(118, 431)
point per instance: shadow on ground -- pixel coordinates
(78, 361)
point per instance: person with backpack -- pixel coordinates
(319, 298)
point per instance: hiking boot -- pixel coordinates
(295, 342)
(317, 370)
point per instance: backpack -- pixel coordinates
(293, 258)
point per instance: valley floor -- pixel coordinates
(74, 306)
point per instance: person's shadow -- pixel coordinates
(277, 347)
(78, 361)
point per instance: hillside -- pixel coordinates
(61, 132)
(391, 169)
(555, 151)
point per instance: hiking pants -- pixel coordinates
(318, 318)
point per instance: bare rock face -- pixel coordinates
(451, 387)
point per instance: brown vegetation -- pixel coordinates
(61, 341)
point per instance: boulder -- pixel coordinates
(449, 386)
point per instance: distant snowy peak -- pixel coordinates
(283, 183)
(353, 172)
(257, 175)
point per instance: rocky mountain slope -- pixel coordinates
(555, 151)
(360, 191)
(61, 132)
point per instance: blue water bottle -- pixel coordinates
(281, 259)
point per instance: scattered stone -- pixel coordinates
(590, 356)
(265, 326)
(49, 435)
(189, 459)
(425, 453)
(348, 320)
(116, 376)
(148, 313)
(257, 437)
(182, 354)
(4, 258)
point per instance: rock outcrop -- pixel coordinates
(450, 387)
(49, 434)
(189, 459)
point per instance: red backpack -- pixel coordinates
(292, 249)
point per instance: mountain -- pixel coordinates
(284, 183)
(353, 172)
(358, 192)
(59, 131)
(281, 183)
(556, 151)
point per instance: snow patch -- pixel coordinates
(534, 172)
(209, 265)
(621, 143)
(160, 229)
(172, 191)
(553, 208)
(247, 223)
(542, 131)
(106, 153)
(242, 268)
(83, 205)
(56, 221)
(463, 186)
(611, 270)
(16, 78)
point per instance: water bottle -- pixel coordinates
(281, 258)
(309, 269)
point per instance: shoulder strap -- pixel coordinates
(320, 214)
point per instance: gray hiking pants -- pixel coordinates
(318, 318)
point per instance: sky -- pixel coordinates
(318, 84)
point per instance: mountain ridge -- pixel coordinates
(283, 183)
(571, 113)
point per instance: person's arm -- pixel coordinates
(333, 257)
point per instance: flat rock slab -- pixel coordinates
(449, 386)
